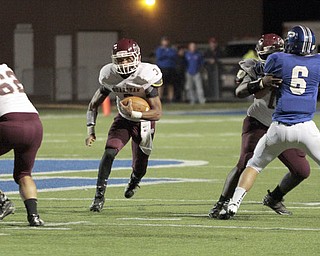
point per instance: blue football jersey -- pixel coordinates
(297, 95)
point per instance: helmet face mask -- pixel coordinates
(267, 44)
(126, 56)
(300, 41)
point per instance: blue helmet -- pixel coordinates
(300, 40)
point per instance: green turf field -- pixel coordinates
(163, 219)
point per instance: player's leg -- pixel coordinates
(24, 158)
(139, 158)
(267, 149)
(252, 131)
(6, 206)
(299, 169)
(310, 138)
(118, 137)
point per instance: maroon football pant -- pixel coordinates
(252, 131)
(119, 135)
(21, 132)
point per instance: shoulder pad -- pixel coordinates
(249, 66)
(105, 73)
(151, 73)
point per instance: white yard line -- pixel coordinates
(53, 224)
(37, 228)
(212, 227)
(151, 219)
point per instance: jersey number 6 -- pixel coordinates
(298, 85)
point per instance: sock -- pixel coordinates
(222, 199)
(277, 194)
(238, 195)
(31, 206)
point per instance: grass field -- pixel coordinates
(163, 219)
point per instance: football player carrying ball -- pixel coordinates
(126, 76)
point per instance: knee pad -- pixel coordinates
(110, 152)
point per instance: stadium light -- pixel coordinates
(150, 2)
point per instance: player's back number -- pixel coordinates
(9, 83)
(298, 83)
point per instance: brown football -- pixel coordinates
(138, 104)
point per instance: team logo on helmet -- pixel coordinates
(300, 40)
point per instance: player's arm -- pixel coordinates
(100, 95)
(246, 86)
(155, 112)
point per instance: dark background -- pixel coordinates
(277, 11)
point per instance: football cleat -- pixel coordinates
(98, 201)
(132, 186)
(97, 204)
(275, 205)
(6, 208)
(35, 221)
(214, 212)
(223, 214)
(232, 208)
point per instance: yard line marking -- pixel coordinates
(173, 200)
(3, 234)
(66, 223)
(212, 227)
(151, 219)
(36, 228)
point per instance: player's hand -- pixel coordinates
(270, 81)
(125, 110)
(90, 139)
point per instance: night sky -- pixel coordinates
(277, 11)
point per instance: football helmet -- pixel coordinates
(126, 56)
(300, 40)
(267, 44)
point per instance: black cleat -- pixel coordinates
(214, 212)
(224, 213)
(97, 204)
(98, 201)
(275, 205)
(6, 208)
(35, 221)
(132, 186)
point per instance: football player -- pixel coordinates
(255, 125)
(298, 69)
(126, 76)
(20, 131)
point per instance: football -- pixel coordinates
(138, 104)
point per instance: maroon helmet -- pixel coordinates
(126, 56)
(269, 43)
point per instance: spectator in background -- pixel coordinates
(166, 57)
(212, 56)
(180, 74)
(195, 63)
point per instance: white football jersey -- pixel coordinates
(12, 96)
(136, 84)
(259, 110)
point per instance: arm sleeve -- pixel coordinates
(152, 92)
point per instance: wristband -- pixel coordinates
(90, 130)
(136, 114)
